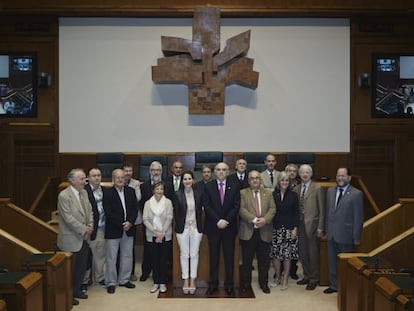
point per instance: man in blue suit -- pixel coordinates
(345, 217)
(221, 206)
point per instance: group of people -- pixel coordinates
(279, 218)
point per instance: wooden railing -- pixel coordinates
(389, 235)
(27, 227)
(14, 251)
(387, 225)
(45, 201)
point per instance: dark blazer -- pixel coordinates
(95, 211)
(214, 211)
(287, 210)
(170, 182)
(180, 210)
(234, 179)
(114, 213)
(345, 221)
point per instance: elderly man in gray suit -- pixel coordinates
(345, 217)
(257, 209)
(75, 227)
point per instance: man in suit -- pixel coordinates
(155, 171)
(121, 208)
(241, 175)
(75, 227)
(270, 177)
(175, 179)
(134, 184)
(206, 176)
(97, 241)
(311, 225)
(257, 209)
(345, 217)
(221, 207)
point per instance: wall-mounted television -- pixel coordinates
(18, 85)
(393, 85)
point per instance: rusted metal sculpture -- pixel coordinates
(200, 65)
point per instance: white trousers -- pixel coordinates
(189, 243)
(124, 245)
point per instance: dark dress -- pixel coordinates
(287, 217)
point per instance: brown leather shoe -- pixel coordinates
(75, 302)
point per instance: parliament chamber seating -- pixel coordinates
(108, 161)
(23, 238)
(255, 160)
(145, 161)
(388, 235)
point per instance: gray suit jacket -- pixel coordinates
(74, 216)
(345, 221)
(248, 213)
(314, 208)
(266, 182)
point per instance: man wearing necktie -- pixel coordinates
(311, 225)
(270, 177)
(257, 209)
(345, 217)
(221, 206)
(240, 176)
(175, 179)
(75, 227)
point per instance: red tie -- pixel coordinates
(256, 203)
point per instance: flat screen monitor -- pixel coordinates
(18, 85)
(393, 85)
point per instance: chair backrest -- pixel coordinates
(145, 162)
(210, 158)
(108, 161)
(255, 160)
(300, 158)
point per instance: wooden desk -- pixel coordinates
(52, 266)
(22, 291)
(361, 275)
(394, 293)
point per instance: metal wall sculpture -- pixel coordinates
(200, 65)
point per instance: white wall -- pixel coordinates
(108, 102)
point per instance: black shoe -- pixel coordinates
(302, 282)
(75, 302)
(294, 276)
(102, 282)
(329, 290)
(110, 289)
(311, 286)
(143, 278)
(230, 291)
(265, 289)
(81, 295)
(211, 290)
(127, 285)
(84, 288)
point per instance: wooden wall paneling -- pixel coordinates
(374, 162)
(34, 163)
(180, 7)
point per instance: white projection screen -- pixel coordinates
(108, 102)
